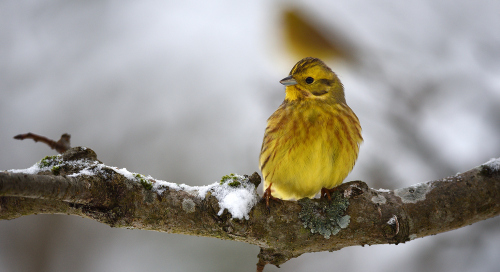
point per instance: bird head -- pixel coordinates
(310, 78)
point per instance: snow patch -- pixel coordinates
(124, 172)
(33, 170)
(493, 163)
(237, 200)
(382, 190)
(85, 172)
(393, 220)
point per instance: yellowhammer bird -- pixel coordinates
(312, 140)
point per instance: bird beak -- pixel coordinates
(288, 81)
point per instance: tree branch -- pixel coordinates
(77, 184)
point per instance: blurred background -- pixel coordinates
(181, 91)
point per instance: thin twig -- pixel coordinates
(60, 146)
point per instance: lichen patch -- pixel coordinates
(188, 205)
(414, 193)
(325, 217)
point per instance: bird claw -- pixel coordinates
(267, 195)
(326, 193)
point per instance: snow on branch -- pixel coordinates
(76, 183)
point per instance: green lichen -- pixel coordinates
(56, 169)
(325, 217)
(148, 185)
(231, 179)
(234, 183)
(48, 161)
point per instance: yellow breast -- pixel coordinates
(308, 146)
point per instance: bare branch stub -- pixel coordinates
(60, 146)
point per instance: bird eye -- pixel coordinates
(309, 80)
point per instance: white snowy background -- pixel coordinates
(181, 90)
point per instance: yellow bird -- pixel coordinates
(312, 140)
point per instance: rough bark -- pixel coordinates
(283, 232)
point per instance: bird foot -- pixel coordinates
(267, 195)
(326, 193)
